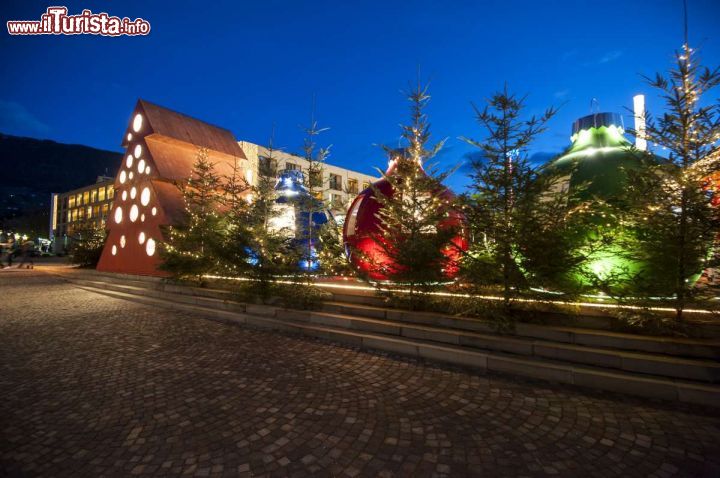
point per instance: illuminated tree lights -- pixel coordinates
(406, 227)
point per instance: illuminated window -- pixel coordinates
(141, 237)
(78, 199)
(74, 215)
(96, 211)
(69, 216)
(94, 195)
(105, 209)
(141, 166)
(89, 212)
(71, 201)
(123, 177)
(86, 197)
(137, 123)
(134, 212)
(118, 215)
(133, 192)
(150, 247)
(352, 186)
(114, 250)
(110, 192)
(138, 151)
(129, 161)
(101, 194)
(145, 196)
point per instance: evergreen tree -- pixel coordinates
(270, 247)
(312, 205)
(504, 192)
(411, 234)
(88, 239)
(331, 251)
(236, 241)
(675, 223)
(190, 250)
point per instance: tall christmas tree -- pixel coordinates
(675, 223)
(313, 204)
(190, 250)
(413, 234)
(235, 252)
(503, 192)
(270, 247)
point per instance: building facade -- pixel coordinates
(89, 203)
(339, 185)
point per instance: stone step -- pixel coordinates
(535, 368)
(648, 363)
(681, 347)
(651, 364)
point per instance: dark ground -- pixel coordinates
(97, 386)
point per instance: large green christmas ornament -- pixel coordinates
(594, 169)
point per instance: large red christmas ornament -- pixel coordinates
(361, 231)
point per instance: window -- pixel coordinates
(352, 186)
(365, 185)
(291, 167)
(105, 209)
(336, 182)
(71, 201)
(86, 197)
(89, 212)
(78, 199)
(268, 166)
(101, 194)
(69, 216)
(96, 211)
(94, 195)
(110, 192)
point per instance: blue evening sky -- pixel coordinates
(248, 65)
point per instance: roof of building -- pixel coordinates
(172, 124)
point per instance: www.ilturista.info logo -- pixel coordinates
(56, 21)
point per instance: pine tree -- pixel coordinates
(503, 192)
(271, 251)
(190, 250)
(236, 240)
(312, 205)
(676, 225)
(88, 239)
(411, 234)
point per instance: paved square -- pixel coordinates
(97, 386)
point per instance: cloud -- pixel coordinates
(16, 119)
(610, 56)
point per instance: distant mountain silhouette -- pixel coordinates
(31, 169)
(47, 166)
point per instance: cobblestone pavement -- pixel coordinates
(97, 386)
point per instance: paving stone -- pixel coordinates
(97, 386)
